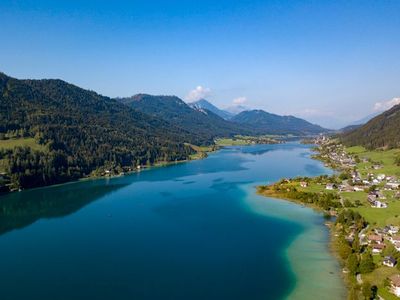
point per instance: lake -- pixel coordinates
(193, 230)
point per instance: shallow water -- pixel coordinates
(188, 231)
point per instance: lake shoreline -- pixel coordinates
(329, 224)
(332, 247)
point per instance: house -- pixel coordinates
(359, 188)
(393, 229)
(381, 177)
(374, 238)
(397, 246)
(392, 185)
(372, 196)
(330, 186)
(377, 248)
(395, 239)
(395, 284)
(303, 184)
(389, 261)
(378, 204)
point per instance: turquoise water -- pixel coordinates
(188, 231)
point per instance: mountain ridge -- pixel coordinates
(276, 124)
(383, 131)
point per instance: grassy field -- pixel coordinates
(384, 157)
(201, 151)
(22, 142)
(377, 277)
(231, 142)
(246, 140)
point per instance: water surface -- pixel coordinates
(190, 231)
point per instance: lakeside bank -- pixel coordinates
(363, 198)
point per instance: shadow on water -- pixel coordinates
(18, 210)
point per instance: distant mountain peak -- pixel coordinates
(204, 104)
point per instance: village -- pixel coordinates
(366, 186)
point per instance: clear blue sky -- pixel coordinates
(327, 61)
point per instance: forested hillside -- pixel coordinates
(78, 131)
(274, 124)
(382, 131)
(200, 122)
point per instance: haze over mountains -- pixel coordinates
(206, 119)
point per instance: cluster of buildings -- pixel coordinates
(335, 154)
(377, 187)
(377, 241)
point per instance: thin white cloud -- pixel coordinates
(198, 93)
(385, 105)
(239, 101)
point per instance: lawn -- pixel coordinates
(381, 216)
(384, 157)
(377, 277)
(231, 142)
(21, 142)
(376, 216)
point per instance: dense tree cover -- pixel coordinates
(382, 131)
(275, 124)
(322, 200)
(81, 131)
(203, 123)
(350, 217)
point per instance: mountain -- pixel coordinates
(383, 131)
(236, 109)
(79, 131)
(366, 119)
(203, 123)
(349, 128)
(204, 104)
(275, 124)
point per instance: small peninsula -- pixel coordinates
(361, 203)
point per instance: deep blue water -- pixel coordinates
(177, 232)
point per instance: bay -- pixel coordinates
(192, 230)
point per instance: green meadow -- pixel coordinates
(21, 142)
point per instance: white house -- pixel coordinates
(395, 284)
(330, 186)
(393, 229)
(379, 204)
(359, 188)
(389, 261)
(381, 177)
(377, 248)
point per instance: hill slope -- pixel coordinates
(275, 124)
(382, 131)
(204, 104)
(80, 130)
(197, 121)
